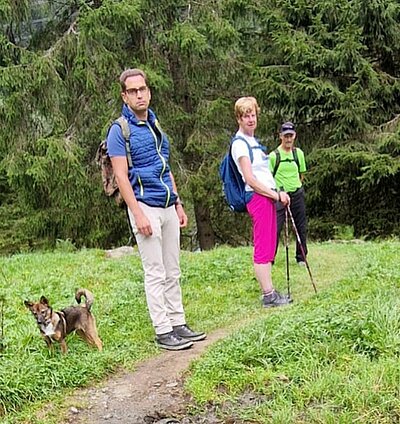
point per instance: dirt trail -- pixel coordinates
(153, 393)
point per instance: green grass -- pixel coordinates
(333, 358)
(293, 357)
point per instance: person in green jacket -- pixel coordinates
(287, 164)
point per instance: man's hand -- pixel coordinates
(183, 219)
(142, 223)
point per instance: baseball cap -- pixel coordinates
(288, 128)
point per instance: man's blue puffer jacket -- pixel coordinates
(150, 174)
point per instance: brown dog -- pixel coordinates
(55, 326)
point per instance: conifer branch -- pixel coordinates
(390, 126)
(58, 43)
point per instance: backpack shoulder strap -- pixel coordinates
(248, 146)
(277, 162)
(126, 132)
(123, 123)
(296, 158)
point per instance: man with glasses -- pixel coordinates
(154, 208)
(287, 164)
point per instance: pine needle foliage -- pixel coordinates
(329, 66)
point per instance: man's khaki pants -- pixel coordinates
(160, 260)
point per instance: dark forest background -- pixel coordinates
(330, 66)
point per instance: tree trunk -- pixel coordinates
(205, 232)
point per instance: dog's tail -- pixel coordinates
(88, 296)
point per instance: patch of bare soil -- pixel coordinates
(152, 394)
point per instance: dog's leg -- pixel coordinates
(48, 342)
(98, 343)
(64, 348)
(91, 337)
(89, 332)
(94, 340)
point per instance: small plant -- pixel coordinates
(66, 246)
(344, 232)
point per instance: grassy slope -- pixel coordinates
(218, 287)
(333, 358)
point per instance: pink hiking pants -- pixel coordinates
(263, 215)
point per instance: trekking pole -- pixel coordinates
(287, 251)
(301, 248)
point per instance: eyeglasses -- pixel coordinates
(136, 91)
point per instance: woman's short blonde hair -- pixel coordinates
(246, 105)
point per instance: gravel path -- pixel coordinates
(153, 393)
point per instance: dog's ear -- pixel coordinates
(28, 304)
(44, 301)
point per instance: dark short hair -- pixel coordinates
(131, 73)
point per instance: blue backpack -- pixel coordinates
(232, 182)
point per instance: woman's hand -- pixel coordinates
(284, 198)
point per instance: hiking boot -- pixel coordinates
(171, 341)
(187, 333)
(275, 299)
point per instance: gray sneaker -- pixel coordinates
(188, 334)
(275, 299)
(171, 341)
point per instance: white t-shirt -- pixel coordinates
(260, 165)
